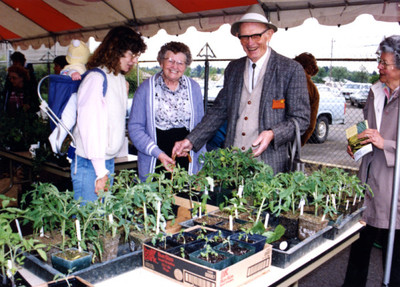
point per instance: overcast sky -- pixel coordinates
(359, 39)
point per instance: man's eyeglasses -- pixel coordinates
(172, 62)
(383, 63)
(254, 37)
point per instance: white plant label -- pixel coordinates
(323, 217)
(240, 191)
(200, 215)
(266, 220)
(41, 232)
(110, 219)
(9, 268)
(18, 228)
(302, 203)
(347, 204)
(333, 201)
(78, 234)
(355, 199)
(210, 181)
(230, 223)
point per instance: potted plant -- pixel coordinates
(13, 244)
(239, 250)
(211, 258)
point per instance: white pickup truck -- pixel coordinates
(331, 111)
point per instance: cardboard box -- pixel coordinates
(189, 273)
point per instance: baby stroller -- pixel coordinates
(61, 109)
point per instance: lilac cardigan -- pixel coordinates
(142, 129)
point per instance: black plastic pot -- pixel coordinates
(18, 279)
(236, 258)
(196, 257)
(256, 240)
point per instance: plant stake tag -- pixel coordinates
(302, 203)
(18, 228)
(9, 268)
(230, 223)
(200, 216)
(41, 232)
(266, 220)
(78, 234)
(240, 191)
(211, 183)
(236, 211)
(323, 217)
(347, 204)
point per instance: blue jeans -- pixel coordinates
(83, 181)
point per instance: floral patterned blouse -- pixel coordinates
(172, 108)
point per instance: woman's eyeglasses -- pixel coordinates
(383, 63)
(172, 62)
(254, 37)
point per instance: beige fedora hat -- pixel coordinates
(254, 14)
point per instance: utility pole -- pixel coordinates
(330, 70)
(206, 52)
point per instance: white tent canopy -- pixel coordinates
(27, 23)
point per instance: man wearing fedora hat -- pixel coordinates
(261, 95)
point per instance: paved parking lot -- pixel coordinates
(333, 150)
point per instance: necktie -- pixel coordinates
(252, 79)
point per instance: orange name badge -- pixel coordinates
(278, 104)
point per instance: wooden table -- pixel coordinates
(25, 158)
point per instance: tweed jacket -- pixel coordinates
(284, 96)
(381, 163)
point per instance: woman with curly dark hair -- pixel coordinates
(309, 64)
(100, 129)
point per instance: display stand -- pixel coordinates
(25, 158)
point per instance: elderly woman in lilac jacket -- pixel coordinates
(165, 109)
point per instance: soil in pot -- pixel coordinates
(184, 251)
(291, 223)
(310, 225)
(110, 247)
(184, 237)
(71, 259)
(136, 240)
(256, 240)
(236, 226)
(164, 244)
(240, 250)
(201, 232)
(241, 216)
(208, 220)
(216, 261)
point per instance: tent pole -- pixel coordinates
(393, 210)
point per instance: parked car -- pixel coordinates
(351, 88)
(331, 111)
(359, 98)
